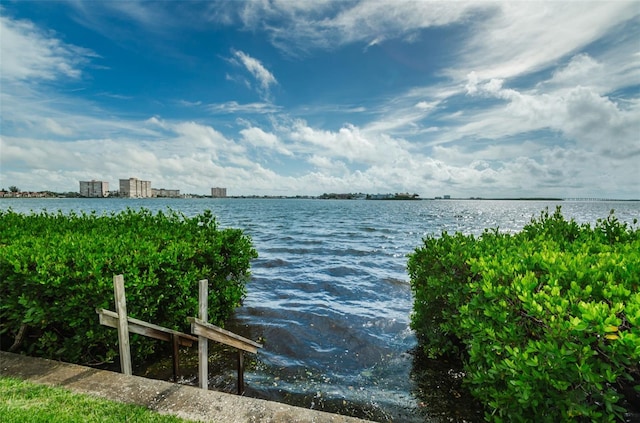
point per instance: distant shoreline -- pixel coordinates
(39, 196)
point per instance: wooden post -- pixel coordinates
(176, 362)
(203, 343)
(206, 331)
(123, 326)
(240, 372)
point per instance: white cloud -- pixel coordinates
(184, 137)
(56, 128)
(397, 19)
(326, 166)
(580, 69)
(510, 171)
(38, 112)
(579, 113)
(593, 119)
(497, 152)
(403, 116)
(505, 39)
(522, 37)
(187, 156)
(611, 70)
(266, 140)
(502, 39)
(374, 42)
(256, 68)
(424, 105)
(472, 83)
(31, 55)
(300, 26)
(349, 143)
(571, 134)
(251, 108)
(187, 103)
(99, 17)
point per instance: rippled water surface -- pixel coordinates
(330, 295)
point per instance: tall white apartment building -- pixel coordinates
(94, 188)
(218, 192)
(135, 188)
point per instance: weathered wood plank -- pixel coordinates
(110, 319)
(199, 326)
(215, 333)
(203, 343)
(123, 327)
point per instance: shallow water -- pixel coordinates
(330, 296)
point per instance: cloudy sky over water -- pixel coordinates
(273, 97)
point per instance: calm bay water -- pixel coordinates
(330, 295)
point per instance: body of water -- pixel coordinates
(330, 295)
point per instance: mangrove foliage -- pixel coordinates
(56, 269)
(547, 320)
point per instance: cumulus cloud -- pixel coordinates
(348, 142)
(183, 155)
(597, 120)
(195, 137)
(579, 113)
(605, 73)
(265, 140)
(581, 69)
(509, 171)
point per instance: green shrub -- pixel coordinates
(57, 268)
(547, 320)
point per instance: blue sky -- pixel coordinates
(490, 99)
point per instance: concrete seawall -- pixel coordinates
(183, 401)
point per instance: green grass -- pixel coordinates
(22, 401)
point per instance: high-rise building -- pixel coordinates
(94, 188)
(135, 188)
(218, 192)
(163, 192)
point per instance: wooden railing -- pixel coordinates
(199, 326)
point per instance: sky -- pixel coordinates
(283, 97)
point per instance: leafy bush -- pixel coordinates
(547, 320)
(57, 268)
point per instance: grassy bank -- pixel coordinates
(22, 401)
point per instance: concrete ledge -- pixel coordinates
(183, 401)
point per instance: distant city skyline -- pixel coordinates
(468, 99)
